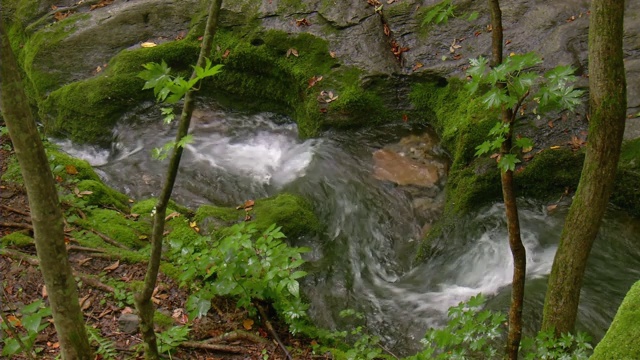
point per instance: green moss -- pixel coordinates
(171, 270)
(16, 239)
(103, 195)
(145, 207)
(549, 173)
(86, 111)
(292, 212)
(621, 340)
(162, 321)
(180, 231)
(61, 164)
(116, 226)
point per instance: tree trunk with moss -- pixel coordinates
(143, 298)
(608, 105)
(518, 251)
(46, 216)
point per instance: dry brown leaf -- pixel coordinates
(303, 21)
(417, 66)
(314, 80)
(44, 292)
(84, 261)
(59, 16)
(101, 4)
(550, 123)
(293, 52)
(556, 147)
(127, 310)
(249, 203)
(148, 44)
(386, 30)
(552, 207)
(112, 266)
(332, 54)
(71, 170)
(85, 302)
(226, 54)
(390, 1)
(247, 324)
(174, 214)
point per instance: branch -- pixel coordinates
(238, 335)
(25, 213)
(515, 109)
(17, 225)
(109, 240)
(215, 347)
(269, 327)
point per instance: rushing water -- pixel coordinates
(364, 257)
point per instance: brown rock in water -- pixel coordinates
(392, 166)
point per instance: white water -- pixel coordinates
(363, 259)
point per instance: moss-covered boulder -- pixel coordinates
(115, 225)
(62, 165)
(293, 213)
(102, 195)
(621, 340)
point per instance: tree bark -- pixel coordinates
(46, 216)
(518, 251)
(143, 298)
(608, 104)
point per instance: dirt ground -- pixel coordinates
(226, 333)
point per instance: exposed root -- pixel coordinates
(17, 225)
(271, 330)
(215, 347)
(25, 213)
(109, 240)
(238, 335)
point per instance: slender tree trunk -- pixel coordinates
(143, 298)
(46, 216)
(608, 105)
(508, 194)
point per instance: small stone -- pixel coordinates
(128, 323)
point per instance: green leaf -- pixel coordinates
(298, 274)
(197, 306)
(483, 148)
(187, 139)
(495, 97)
(508, 162)
(31, 308)
(474, 15)
(11, 347)
(294, 288)
(524, 143)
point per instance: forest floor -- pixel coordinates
(226, 333)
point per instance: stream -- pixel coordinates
(364, 257)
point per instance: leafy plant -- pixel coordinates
(170, 90)
(441, 12)
(246, 264)
(548, 92)
(27, 326)
(172, 338)
(473, 333)
(105, 349)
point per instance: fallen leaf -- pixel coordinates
(44, 292)
(84, 261)
(226, 54)
(405, 117)
(512, 54)
(323, 110)
(86, 192)
(143, 237)
(112, 266)
(332, 54)
(454, 46)
(457, 56)
(59, 16)
(14, 321)
(489, 28)
(303, 21)
(54, 8)
(174, 214)
(386, 30)
(101, 4)
(131, 201)
(249, 203)
(192, 224)
(148, 44)
(71, 170)
(293, 52)
(98, 69)
(85, 302)
(527, 149)
(55, 345)
(570, 19)
(507, 42)
(477, 33)
(556, 147)
(550, 123)
(200, 38)
(417, 66)
(494, 156)
(247, 324)
(390, 1)
(314, 80)
(127, 310)
(552, 207)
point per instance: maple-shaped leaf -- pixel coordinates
(508, 162)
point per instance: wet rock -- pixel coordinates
(128, 323)
(397, 168)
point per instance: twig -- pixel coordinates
(25, 213)
(109, 240)
(12, 331)
(269, 327)
(238, 335)
(32, 260)
(17, 225)
(93, 282)
(83, 248)
(215, 347)
(389, 351)
(19, 255)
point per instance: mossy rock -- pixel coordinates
(293, 213)
(145, 207)
(61, 164)
(621, 340)
(113, 224)
(85, 111)
(549, 173)
(103, 196)
(16, 239)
